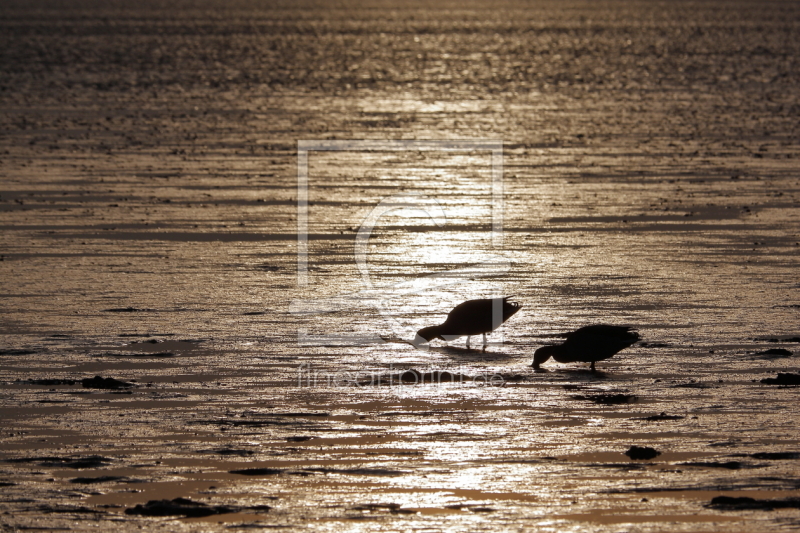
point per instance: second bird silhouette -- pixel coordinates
(588, 344)
(473, 317)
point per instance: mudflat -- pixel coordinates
(222, 223)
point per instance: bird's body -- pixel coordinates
(473, 317)
(588, 344)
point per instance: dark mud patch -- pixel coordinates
(654, 345)
(258, 471)
(50, 382)
(412, 413)
(618, 466)
(731, 503)
(393, 508)
(188, 508)
(783, 378)
(728, 465)
(642, 453)
(472, 508)
(691, 384)
(16, 351)
(300, 438)
(607, 398)
(775, 353)
(358, 471)
(231, 451)
(65, 509)
(100, 479)
(301, 414)
(90, 461)
(134, 335)
(134, 354)
(162, 345)
(660, 417)
(776, 456)
(253, 423)
(98, 382)
(320, 470)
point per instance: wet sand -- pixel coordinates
(149, 214)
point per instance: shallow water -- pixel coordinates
(621, 163)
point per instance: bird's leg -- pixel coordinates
(468, 342)
(592, 367)
(484, 342)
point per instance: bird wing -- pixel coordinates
(476, 316)
(598, 342)
(479, 306)
(602, 331)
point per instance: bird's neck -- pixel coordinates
(544, 353)
(431, 332)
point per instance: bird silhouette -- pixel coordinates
(473, 317)
(588, 344)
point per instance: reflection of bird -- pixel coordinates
(473, 317)
(588, 345)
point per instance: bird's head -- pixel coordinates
(426, 335)
(542, 354)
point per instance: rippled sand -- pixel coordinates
(149, 210)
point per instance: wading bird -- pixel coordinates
(473, 317)
(588, 344)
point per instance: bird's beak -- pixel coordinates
(418, 340)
